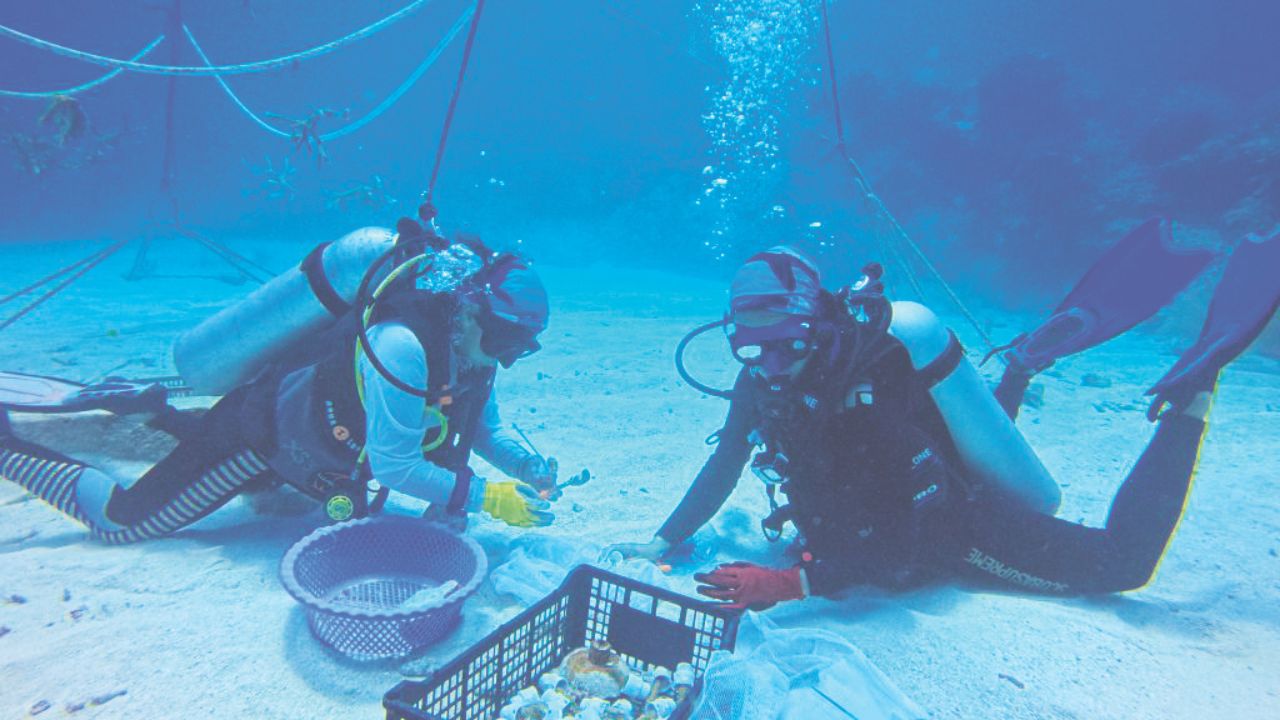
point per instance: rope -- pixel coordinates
(89, 263)
(231, 257)
(933, 270)
(230, 93)
(48, 278)
(373, 114)
(831, 70)
(865, 187)
(453, 101)
(87, 86)
(172, 22)
(251, 67)
(409, 82)
(890, 250)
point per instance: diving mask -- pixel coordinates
(771, 350)
(504, 340)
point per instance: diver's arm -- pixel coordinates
(396, 423)
(497, 445)
(718, 477)
(991, 447)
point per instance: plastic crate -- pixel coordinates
(648, 626)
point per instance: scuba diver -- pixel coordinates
(326, 384)
(879, 441)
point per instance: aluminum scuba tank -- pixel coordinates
(229, 348)
(991, 447)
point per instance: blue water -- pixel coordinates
(1010, 140)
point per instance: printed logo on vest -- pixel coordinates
(924, 455)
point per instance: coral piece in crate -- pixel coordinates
(592, 683)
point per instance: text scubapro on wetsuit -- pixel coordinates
(986, 563)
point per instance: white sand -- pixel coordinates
(199, 626)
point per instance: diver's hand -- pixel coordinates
(516, 503)
(744, 585)
(651, 551)
(542, 474)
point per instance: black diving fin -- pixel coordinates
(21, 392)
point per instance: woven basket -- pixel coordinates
(354, 579)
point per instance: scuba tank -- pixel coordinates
(990, 446)
(229, 348)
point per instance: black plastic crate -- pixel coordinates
(648, 626)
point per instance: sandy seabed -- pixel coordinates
(198, 625)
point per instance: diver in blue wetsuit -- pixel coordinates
(877, 439)
(398, 388)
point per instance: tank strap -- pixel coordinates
(461, 491)
(312, 266)
(943, 365)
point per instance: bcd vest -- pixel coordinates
(862, 481)
(317, 432)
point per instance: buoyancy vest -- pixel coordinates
(863, 480)
(317, 433)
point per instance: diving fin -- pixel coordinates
(21, 392)
(1244, 301)
(1127, 285)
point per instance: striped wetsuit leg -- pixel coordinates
(46, 474)
(212, 489)
(182, 488)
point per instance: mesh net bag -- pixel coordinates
(797, 674)
(383, 587)
(736, 688)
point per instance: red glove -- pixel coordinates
(747, 585)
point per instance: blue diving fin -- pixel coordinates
(1128, 284)
(1246, 298)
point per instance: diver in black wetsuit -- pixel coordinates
(878, 440)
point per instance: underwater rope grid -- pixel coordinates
(87, 86)
(243, 68)
(369, 117)
(227, 88)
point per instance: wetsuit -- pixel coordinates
(879, 496)
(239, 443)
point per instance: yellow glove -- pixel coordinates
(515, 503)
